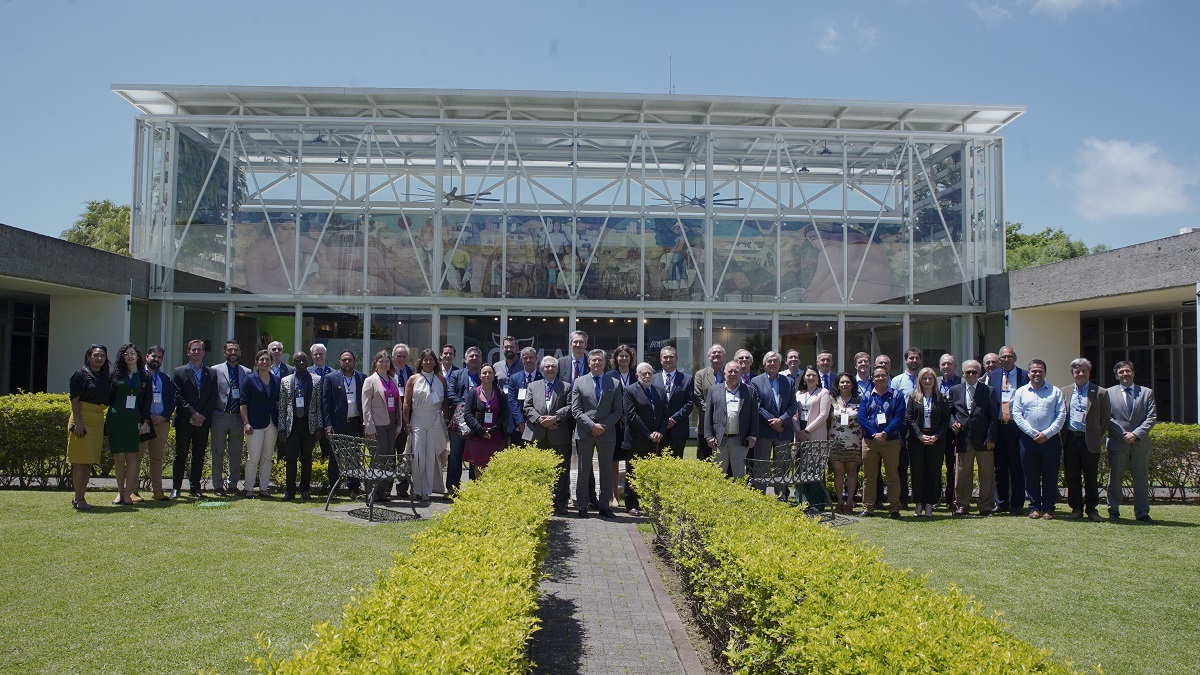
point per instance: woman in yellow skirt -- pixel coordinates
(90, 390)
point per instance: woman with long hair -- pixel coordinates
(89, 395)
(812, 424)
(381, 413)
(846, 454)
(128, 418)
(623, 369)
(260, 422)
(926, 417)
(425, 413)
(487, 416)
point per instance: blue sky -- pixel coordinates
(1107, 151)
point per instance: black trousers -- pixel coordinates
(299, 446)
(1010, 475)
(354, 427)
(951, 467)
(676, 444)
(1080, 467)
(631, 496)
(189, 439)
(562, 487)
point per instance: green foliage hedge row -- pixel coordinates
(781, 594)
(464, 597)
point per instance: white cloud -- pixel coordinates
(1065, 7)
(1117, 179)
(828, 42)
(990, 12)
(865, 34)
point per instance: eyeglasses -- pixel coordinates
(970, 372)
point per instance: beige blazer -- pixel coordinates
(374, 406)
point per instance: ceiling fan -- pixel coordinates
(452, 195)
(701, 201)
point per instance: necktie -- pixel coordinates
(1005, 405)
(825, 381)
(599, 389)
(1129, 398)
(578, 367)
(668, 382)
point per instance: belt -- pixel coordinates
(1077, 433)
(730, 435)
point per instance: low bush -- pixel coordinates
(781, 594)
(462, 599)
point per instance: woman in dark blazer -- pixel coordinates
(926, 418)
(260, 422)
(486, 413)
(623, 361)
(89, 396)
(645, 426)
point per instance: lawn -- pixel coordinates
(1122, 596)
(170, 587)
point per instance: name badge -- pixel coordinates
(391, 401)
(928, 414)
(520, 394)
(505, 390)
(845, 419)
(1077, 417)
(881, 418)
(487, 417)
(234, 393)
(130, 402)
(1005, 396)
(803, 414)
(798, 396)
(299, 400)
(734, 406)
(158, 398)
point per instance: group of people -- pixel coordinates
(996, 424)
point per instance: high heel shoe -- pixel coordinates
(80, 505)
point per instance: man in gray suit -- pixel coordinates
(702, 381)
(1133, 413)
(596, 407)
(1088, 416)
(227, 436)
(731, 420)
(547, 409)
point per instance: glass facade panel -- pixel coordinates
(875, 336)
(751, 332)
(810, 336)
(391, 326)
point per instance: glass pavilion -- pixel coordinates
(364, 217)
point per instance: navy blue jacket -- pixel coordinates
(333, 401)
(261, 401)
(891, 402)
(518, 382)
(168, 392)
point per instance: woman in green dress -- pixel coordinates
(128, 418)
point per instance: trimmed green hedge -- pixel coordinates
(781, 594)
(464, 597)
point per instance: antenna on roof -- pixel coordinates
(670, 75)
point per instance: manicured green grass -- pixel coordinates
(169, 587)
(1122, 596)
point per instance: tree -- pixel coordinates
(102, 225)
(1047, 246)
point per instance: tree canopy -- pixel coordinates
(1040, 248)
(102, 225)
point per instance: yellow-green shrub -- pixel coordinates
(33, 447)
(781, 594)
(464, 597)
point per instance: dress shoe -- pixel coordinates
(1113, 515)
(249, 494)
(959, 512)
(1076, 514)
(560, 510)
(1146, 520)
(196, 494)
(894, 515)
(1035, 514)
(635, 512)
(594, 504)
(304, 494)
(987, 514)
(174, 494)
(290, 494)
(220, 493)
(264, 495)
(607, 513)
(583, 512)
(1094, 516)
(866, 513)
(1049, 515)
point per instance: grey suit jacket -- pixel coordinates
(1137, 420)
(287, 400)
(1097, 419)
(221, 371)
(559, 405)
(589, 409)
(716, 416)
(702, 381)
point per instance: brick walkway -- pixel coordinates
(603, 607)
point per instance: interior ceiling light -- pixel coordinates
(341, 158)
(319, 139)
(825, 148)
(804, 169)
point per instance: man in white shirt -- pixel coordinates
(1039, 412)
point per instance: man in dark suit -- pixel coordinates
(341, 398)
(459, 385)
(547, 409)
(776, 406)
(195, 401)
(301, 419)
(1010, 477)
(678, 389)
(400, 378)
(702, 381)
(518, 387)
(596, 407)
(447, 361)
(569, 368)
(973, 423)
(731, 420)
(1088, 415)
(278, 367)
(646, 425)
(1133, 413)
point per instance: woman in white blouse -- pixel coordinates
(812, 424)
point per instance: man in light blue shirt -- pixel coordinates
(1039, 411)
(905, 384)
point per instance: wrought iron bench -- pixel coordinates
(803, 463)
(358, 458)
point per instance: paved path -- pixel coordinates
(603, 607)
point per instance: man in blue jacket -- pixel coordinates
(162, 404)
(881, 416)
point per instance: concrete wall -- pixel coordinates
(77, 321)
(1049, 335)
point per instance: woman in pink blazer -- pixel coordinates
(812, 424)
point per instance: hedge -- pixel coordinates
(464, 597)
(781, 594)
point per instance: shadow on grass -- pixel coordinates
(557, 648)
